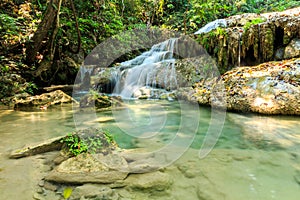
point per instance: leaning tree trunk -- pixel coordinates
(47, 23)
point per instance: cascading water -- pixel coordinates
(240, 48)
(85, 78)
(154, 68)
(211, 26)
(85, 70)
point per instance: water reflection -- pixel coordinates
(270, 132)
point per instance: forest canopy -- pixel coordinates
(38, 37)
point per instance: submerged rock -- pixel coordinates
(154, 181)
(264, 132)
(297, 177)
(94, 191)
(213, 177)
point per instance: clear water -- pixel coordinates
(255, 157)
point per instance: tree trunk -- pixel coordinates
(48, 21)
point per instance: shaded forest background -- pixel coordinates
(43, 42)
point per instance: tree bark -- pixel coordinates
(36, 42)
(56, 27)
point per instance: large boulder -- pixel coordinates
(42, 101)
(104, 80)
(90, 168)
(99, 101)
(293, 49)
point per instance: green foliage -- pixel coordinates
(30, 88)
(259, 6)
(4, 69)
(75, 145)
(109, 137)
(95, 94)
(253, 22)
(220, 31)
(93, 144)
(8, 25)
(195, 13)
(204, 41)
(97, 21)
(9, 30)
(11, 83)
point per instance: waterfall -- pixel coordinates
(240, 47)
(259, 43)
(211, 26)
(154, 68)
(85, 70)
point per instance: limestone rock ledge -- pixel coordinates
(42, 101)
(269, 88)
(250, 39)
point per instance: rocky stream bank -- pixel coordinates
(269, 88)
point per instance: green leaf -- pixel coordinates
(67, 192)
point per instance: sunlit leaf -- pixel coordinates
(67, 192)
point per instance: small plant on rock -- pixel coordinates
(108, 136)
(94, 144)
(75, 145)
(89, 141)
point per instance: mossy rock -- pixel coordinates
(89, 140)
(99, 101)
